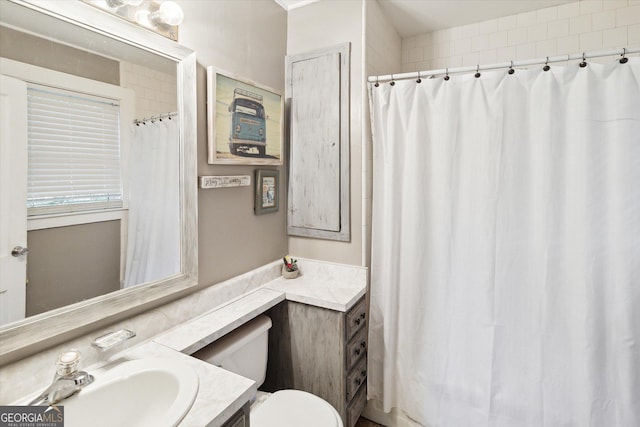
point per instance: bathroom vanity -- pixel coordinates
(318, 317)
(318, 340)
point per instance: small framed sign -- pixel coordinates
(267, 192)
(225, 181)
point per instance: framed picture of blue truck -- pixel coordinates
(244, 121)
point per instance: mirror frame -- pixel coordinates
(30, 335)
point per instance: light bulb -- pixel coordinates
(114, 4)
(143, 18)
(170, 13)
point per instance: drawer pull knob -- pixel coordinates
(358, 381)
(357, 351)
(363, 344)
(362, 315)
(358, 321)
(364, 372)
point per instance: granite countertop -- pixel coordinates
(324, 284)
(195, 334)
(334, 294)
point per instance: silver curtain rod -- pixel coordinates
(497, 66)
(152, 119)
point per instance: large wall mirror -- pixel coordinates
(93, 258)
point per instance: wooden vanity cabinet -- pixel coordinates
(240, 418)
(321, 351)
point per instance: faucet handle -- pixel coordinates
(67, 362)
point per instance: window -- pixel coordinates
(74, 152)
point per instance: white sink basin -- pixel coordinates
(145, 392)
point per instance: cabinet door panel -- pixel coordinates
(317, 94)
(315, 155)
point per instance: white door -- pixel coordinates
(13, 198)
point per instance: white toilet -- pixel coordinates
(244, 351)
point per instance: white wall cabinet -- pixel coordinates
(317, 94)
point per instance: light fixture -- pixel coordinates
(162, 17)
(169, 13)
(142, 17)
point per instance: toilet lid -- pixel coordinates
(294, 408)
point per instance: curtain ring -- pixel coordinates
(393, 83)
(446, 75)
(511, 70)
(419, 79)
(377, 84)
(624, 59)
(546, 65)
(477, 71)
(584, 61)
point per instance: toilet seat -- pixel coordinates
(295, 408)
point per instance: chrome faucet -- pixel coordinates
(67, 380)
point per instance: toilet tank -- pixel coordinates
(243, 350)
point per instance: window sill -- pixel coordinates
(64, 220)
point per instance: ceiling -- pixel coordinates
(411, 17)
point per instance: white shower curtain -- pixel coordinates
(505, 279)
(153, 240)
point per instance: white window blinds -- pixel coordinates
(74, 152)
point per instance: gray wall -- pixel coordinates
(71, 264)
(45, 53)
(249, 39)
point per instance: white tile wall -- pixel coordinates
(633, 34)
(155, 91)
(570, 28)
(383, 47)
(603, 20)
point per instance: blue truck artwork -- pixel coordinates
(248, 123)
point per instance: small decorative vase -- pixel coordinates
(289, 274)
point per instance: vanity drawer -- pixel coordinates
(356, 348)
(356, 378)
(356, 318)
(356, 407)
